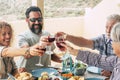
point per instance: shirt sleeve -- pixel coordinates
(99, 42)
(102, 61)
(22, 41)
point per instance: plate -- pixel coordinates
(50, 71)
(93, 69)
(94, 79)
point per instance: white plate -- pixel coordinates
(94, 79)
(93, 69)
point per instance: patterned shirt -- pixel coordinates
(111, 63)
(103, 45)
(9, 63)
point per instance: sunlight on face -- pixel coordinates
(5, 36)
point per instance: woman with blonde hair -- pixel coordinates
(7, 64)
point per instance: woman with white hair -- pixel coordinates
(111, 63)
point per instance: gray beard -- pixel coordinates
(36, 31)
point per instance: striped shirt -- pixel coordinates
(111, 63)
(103, 45)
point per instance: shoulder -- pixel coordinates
(100, 37)
(25, 33)
(45, 32)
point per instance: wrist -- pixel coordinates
(65, 36)
(27, 53)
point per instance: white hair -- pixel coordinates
(115, 32)
(115, 17)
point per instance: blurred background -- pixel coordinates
(78, 17)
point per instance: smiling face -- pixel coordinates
(35, 22)
(5, 35)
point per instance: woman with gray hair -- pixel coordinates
(111, 63)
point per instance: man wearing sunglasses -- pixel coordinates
(32, 36)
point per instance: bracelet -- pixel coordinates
(27, 53)
(65, 36)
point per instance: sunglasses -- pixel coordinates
(34, 19)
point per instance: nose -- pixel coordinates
(36, 22)
(8, 36)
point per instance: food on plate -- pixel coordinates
(76, 78)
(45, 76)
(44, 73)
(24, 76)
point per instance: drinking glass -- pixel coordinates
(39, 63)
(61, 49)
(51, 38)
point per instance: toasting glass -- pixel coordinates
(61, 49)
(51, 38)
(39, 63)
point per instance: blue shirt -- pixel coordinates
(111, 63)
(103, 45)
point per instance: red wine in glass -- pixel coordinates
(51, 39)
(44, 49)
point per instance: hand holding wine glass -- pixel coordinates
(59, 40)
(51, 39)
(42, 44)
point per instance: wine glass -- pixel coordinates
(40, 58)
(66, 58)
(61, 49)
(51, 38)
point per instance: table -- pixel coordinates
(93, 75)
(87, 74)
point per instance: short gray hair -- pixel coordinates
(115, 32)
(115, 17)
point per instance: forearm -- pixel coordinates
(105, 62)
(11, 52)
(80, 41)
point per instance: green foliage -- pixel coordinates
(80, 65)
(52, 8)
(67, 8)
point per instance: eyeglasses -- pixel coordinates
(34, 19)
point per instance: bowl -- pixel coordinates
(79, 71)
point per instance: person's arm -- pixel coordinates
(79, 41)
(102, 61)
(11, 52)
(91, 58)
(33, 51)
